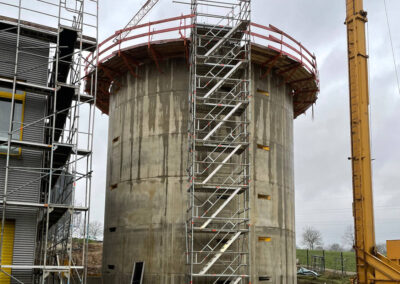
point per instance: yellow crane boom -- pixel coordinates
(372, 267)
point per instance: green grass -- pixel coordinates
(332, 259)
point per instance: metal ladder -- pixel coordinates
(217, 227)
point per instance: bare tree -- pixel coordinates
(348, 236)
(381, 248)
(95, 230)
(311, 237)
(77, 225)
(335, 247)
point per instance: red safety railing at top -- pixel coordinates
(152, 31)
(285, 44)
(179, 28)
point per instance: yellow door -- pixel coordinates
(7, 251)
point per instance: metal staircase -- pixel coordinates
(218, 196)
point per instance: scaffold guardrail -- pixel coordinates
(180, 28)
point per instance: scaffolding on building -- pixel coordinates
(217, 228)
(62, 27)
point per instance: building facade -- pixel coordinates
(21, 222)
(45, 140)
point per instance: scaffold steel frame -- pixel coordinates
(217, 227)
(68, 30)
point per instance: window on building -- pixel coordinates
(5, 109)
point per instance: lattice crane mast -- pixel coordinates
(137, 18)
(372, 267)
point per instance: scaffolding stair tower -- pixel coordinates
(66, 134)
(217, 227)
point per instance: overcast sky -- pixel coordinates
(322, 145)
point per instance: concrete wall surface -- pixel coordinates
(272, 176)
(147, 180)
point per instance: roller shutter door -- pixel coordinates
(7, 251)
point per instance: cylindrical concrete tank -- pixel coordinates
(147, 160)
(146, 176)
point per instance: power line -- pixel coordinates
(391, 44)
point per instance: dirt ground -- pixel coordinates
(95, 253)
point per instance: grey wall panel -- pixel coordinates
(25, 276)
(24, 183)
(33, 58)
(34, 111)
(25, 169)
(24, 243)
